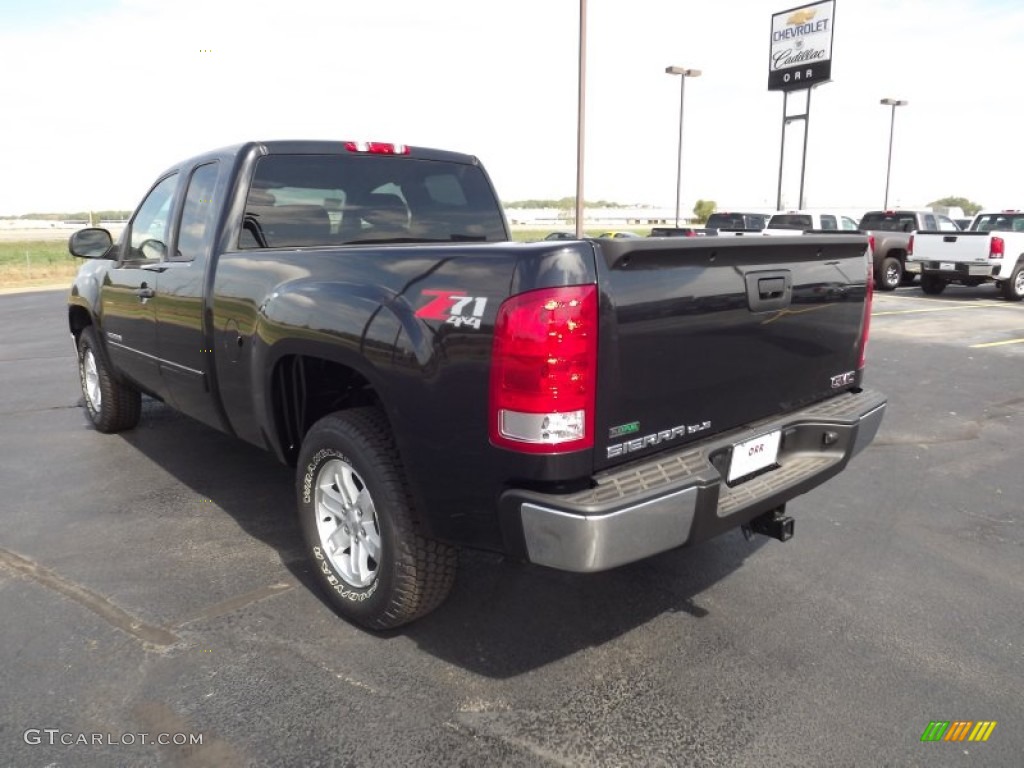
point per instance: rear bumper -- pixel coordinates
(961, 270)
(681, 497)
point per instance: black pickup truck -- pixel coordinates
(357, 309)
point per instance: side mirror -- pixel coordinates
(92, 243)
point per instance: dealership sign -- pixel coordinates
(801, 50)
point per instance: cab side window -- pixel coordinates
(148, 235)
(828, 222)
(197, 214)
(947, 225)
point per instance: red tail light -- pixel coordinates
(869, 298)
(910, 246)
(871, 245)
(543, 371)
(996, 248)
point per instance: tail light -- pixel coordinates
(869, 298)
(871, 245)
(910, 246)
(996, 248)
(543, 371)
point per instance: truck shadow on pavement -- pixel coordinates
(503, 618)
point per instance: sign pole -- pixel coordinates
(782, 149)
(803, 160)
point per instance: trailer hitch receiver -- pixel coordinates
(773, 523)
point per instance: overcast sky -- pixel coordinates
(99, 96)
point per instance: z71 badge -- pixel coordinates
(454, 308)
(843, 379)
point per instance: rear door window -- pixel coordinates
(197, 214)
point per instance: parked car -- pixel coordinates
(619, 233)
(794, 222)
(889, 233)
(560, 236)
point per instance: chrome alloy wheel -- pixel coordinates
(1018, 282)
(346, 522)
(892, 275)
(91, 380)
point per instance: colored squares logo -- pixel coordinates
(958, 730)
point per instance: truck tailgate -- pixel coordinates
(699, 336)
(951, 246)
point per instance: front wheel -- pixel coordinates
(889, 274)
(356, 514)
(1013, 289)
(112, 405)
(932, 284)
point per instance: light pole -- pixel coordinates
(581, 117)
(683, 73)
(892, 126)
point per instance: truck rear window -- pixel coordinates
(791, 221)
(735, 221)
(999, 222)
(322, 200)
(889, 222)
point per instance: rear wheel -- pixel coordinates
(356, 514)
(112, 405)
(1013, 289)
(933, 285)
(889, 274)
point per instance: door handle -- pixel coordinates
(145, 292)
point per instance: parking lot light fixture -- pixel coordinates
(683, 73)
(892, 125)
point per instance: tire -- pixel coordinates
(355, 511)
(890, 273)
(933, 285)
(1013, 289)
(112, 405)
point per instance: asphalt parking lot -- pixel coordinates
(152, 584)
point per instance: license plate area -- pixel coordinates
(753, 456)
(947, 266)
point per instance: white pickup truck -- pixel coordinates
(990, 251)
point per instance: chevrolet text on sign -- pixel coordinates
(801, 49)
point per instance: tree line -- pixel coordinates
(86, 215)
(565, 203)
